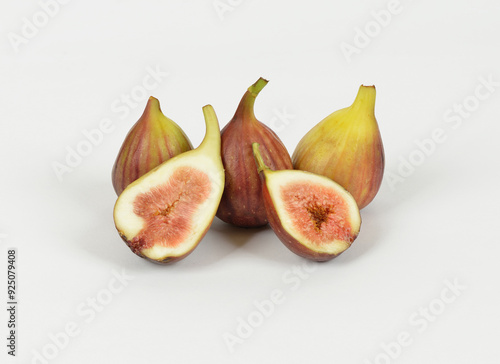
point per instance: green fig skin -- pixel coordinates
(347, 147)
(242, 202)
(153, 139)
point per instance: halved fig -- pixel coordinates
(163, 215)
(312, 215)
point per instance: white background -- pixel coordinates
(437, 223)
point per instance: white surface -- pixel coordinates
(440, 224)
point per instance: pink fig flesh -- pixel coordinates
(163, 215)
(168, 209)
(312, 215)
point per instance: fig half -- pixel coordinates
(312, 215)
(164, 214)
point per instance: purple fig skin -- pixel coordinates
(242, 203)
(166, 261)
(153, 139)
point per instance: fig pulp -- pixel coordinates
(153, 139)
(312, 215)
(347, 147)
(163, 215)
(242, 203)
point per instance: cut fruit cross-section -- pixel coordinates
(313, 216)
(163, 215)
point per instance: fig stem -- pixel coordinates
(153, 101)
(245, 112)
(257, 86)
(365, 99)
(152, 107)
(261, 166)
(211, 141)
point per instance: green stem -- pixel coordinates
(257, 86)
(261, 166)
(365, 99)
(245, 110)
(152, 107)
(211, 141)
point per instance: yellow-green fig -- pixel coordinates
(347, 147)
(153, 139)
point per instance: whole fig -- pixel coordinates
(153, 139)
(242, 202)
(347, 148)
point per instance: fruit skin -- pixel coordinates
(166, 260)
(153, 139)
(242, 204)
(347, 147)
(206, 159)
(277, 224)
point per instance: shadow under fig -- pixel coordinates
(221, 240)
(225, 239)
(97, 235)
(414, 192)
(236, 236)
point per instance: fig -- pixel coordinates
(347, 148)
(242, 203)
(163, 215)
(153, 139)
(312, 215)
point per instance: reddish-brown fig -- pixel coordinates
(153, 139)
(242, 203)
(313, 216)
(163, 215)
